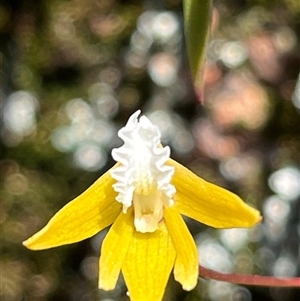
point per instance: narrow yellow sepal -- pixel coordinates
(208, 203)
(148, 264)
(186, 268)
(81, 218)
(114, 249)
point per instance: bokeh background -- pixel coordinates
(72, 73)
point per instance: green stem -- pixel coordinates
(250, 279)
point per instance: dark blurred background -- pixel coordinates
(72, 73)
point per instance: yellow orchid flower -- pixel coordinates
(143, 197)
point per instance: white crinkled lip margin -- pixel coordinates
(142, 159)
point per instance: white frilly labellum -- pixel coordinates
(143, 178)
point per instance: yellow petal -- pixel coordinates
(114, 249)
(148, 264)
(81, 218)
(186, 268)
(208, 203)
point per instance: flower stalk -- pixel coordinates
(252, 280)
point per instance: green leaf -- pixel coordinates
(197, 14)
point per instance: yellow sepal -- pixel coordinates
(208, 203)
(186, 268)
(81, 218)
(114, 249)
(148, 264)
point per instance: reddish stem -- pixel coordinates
(250, 279)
